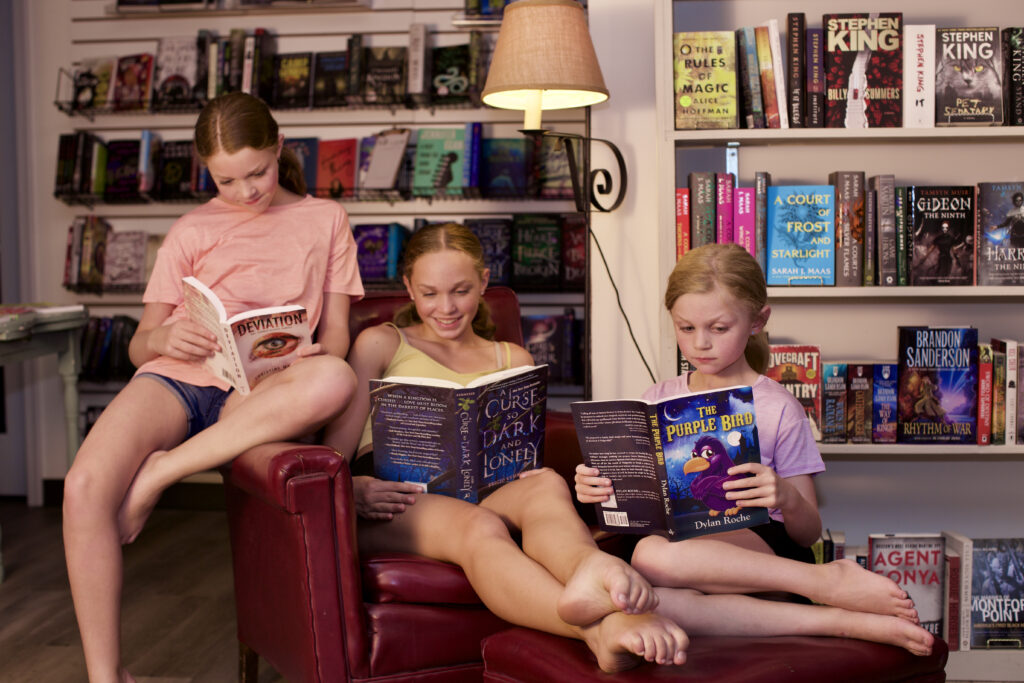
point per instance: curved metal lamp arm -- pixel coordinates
(600, 181)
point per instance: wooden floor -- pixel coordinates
(178, 614)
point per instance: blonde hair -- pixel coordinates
(732, 268)
(445, 237)
(236, 120)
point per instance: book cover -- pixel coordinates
(705, 88)
(864, 70)
(306, 151)
(938, 385)
(778, 69)
(997, 594)
(495, 235)
(504, 166)
(964, 547)
(254, 344)
(177, 59)
(574, 252)
(385, 162)
(1013, 75)
(174, 175)
(796, 67)
(985, 377)
(968, 77)
(336, 168)
(849, 230)
(150, 148)
(133, 83)
(1000, 238)
(439, 160)
(124, 262)
(915, 562)
(941, 222)
(95, 235)
(703, 202)
(449, 82)
(1009, 349)
(815, 97)
(292, 77)
(884, 187)
(749, 75)
(550, 340)
(64, 176)
(462, 442)
(859, 402)
(385, 77)
(743, 219)
(554, 176)
(668, 460)
(801, 235)
(725, 184)
(536, 252)
(884, 401)
(330, 79)
(122, 171)
(797, 367)
(766, 68)
(918, 75)
(94, 83)
(379, 250)
(833, 403)
(471, 152)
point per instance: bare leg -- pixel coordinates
(143, 417)
(742, 615)
(719, 565)
(285, 405)
(511, 584)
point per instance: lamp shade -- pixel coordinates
(544, 53)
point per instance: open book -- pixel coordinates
(668, 460)
(254, 343)
(459, 441)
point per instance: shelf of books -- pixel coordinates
(868, 156)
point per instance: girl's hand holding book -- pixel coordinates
(184, 340)
(765, 489)
(381, 500)
(591, 488)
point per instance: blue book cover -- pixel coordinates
(801, 235)
(833, 403)
(937, 395)
(504, 167)
(305, 150)
(379, 250)
(883, 422)
(668, 460)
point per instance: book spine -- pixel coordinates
(212, 68)
(849, 227)
(900, 213)
(870, 238)
(747, 57)
(249, 65)
(885, 223)
(356, 60)
(746, 98)
(682, 221)
(762, 42)
(984, 394)
(796, 71)
(1011, 391)
(1013, 79)
(966, 577)
(779, 69)
(953, 607)
(238, 370)
(702, 208)
(762, 179)
(724, 186)
(467, 444)
(814, 99)
(416, 81)
(918, 75)
(743, 219)
(659, 465)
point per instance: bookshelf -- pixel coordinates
(867, 488)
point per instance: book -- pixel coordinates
(330, 79)
(884, 188)
(998, 395)
(439, 160)
(849, 229)
(495, 235)
(291, 81)
(575, 233)
(386, 161)
(124, 261)
(174, 175)
(385, 75)
(725, 184)
(918, 75)
(536, 252)
(938, 385)
(668, 459)
(150, 148)
(801, 235)
(95, 234)
(964, 547)
(797, 367)
(336, 168)
(778, 69)
(941, 220)
(417, 87)
(860, 402)
(703, 205)
(379, 250)
(177, 61)
(356, 69)
(762, 179)
(915, 562)
(1020, 400)
(457, 441)
(997, 594)
(815, 89)
(550, 340)
(904, 234)
(749, 77)
(968, 77)
(884, 402)
(796, 67)
(705, 87)
(682, 221)
(743, 222)
(951, 608)
(122, 171)
(1000, 233)
(94, 83)
(449, 82)
(504, 166)
(471, 153)
(1013, 75)
(833, 402)
(133, 82)
(985, 378)
(762, 42)
(254, 344)
(870, 237)
(864, 76)
(1009, 349)
(306, 151)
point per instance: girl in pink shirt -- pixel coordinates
(260, 242)
(717, 298)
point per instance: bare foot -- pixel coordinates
(888, 630)
(603, 584)
(140, 500)
(621, 641)
(854, 588)
(126, 677)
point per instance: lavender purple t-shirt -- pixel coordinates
(783, 432)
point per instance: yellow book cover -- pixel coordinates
(704, 66)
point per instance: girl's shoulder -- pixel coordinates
(667, 387)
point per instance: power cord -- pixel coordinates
(618, 300)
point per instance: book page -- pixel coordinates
(204, 311)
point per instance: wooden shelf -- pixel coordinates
(985, 665)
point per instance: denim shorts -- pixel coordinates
(202, 404)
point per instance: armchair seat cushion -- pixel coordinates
(411, 579)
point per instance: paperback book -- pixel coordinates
(859, 402)
(801, 235)
(833, 403)
(1000, 241)
(254, 344)
(941, 223)
(997, 594)
(916, 563)
(797, 367)
(459, 441)
(968, 77)
(704, 66)
(884, 399)
(668, 460)
(864, 70)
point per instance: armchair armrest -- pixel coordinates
(265, 471)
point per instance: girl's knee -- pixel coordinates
(482, 525)
(647, 554)
(548, 482)
(327, 382)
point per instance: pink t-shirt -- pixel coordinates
(288, 254)
(783, 432)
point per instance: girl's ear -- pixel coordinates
(485, 277)
(760, 320)
(280, 144)
(408, 286)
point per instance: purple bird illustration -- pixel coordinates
(711, 461)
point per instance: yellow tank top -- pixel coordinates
(409, 361)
